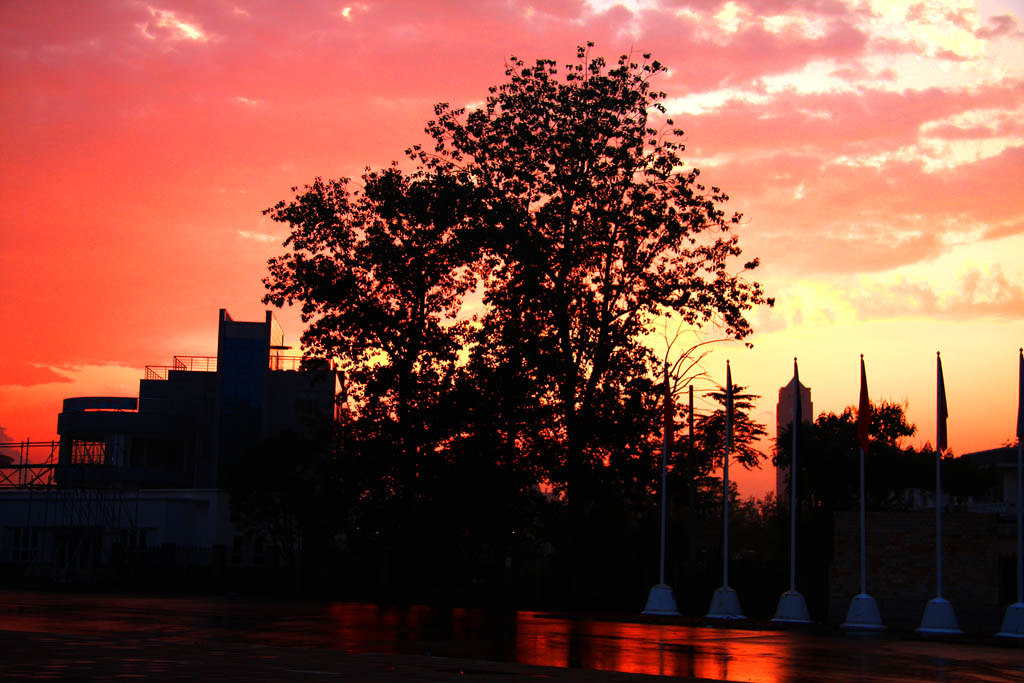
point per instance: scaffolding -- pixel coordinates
(64, 522)
(24, 471)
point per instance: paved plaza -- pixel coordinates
(59, 636)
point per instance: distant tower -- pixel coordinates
(783, 419)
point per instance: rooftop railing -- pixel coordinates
(209, 364)
(195, 363)
(157, 371)
(183, 364)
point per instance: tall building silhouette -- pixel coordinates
(783, 419)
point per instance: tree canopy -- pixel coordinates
(746, 432)
(493, 302)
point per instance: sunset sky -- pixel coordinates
(876, 150)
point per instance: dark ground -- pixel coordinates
(91, 637)
(37, 656)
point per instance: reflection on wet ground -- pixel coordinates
(532, 638)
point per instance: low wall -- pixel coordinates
(901, 570)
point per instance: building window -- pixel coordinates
(87, 452)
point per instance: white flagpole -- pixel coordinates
(863, 531)
(792, 607)
(940, 445)
(725, 604)
(665, 446)
(797, 419)
(863, 613)
(938, 522)
(1013, 620)
(725, 475)
(938, 613)
(660, 599)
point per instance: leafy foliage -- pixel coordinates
(829, 476)
(746, 432)
(490, 307)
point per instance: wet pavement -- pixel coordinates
(100, 637)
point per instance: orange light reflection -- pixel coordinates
(655, 649)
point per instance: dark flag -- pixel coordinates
(864, 409)
(728, 392)
(943, 413)
(1020, 399)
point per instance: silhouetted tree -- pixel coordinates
(828, 478)
(562, 202)
(380, 273)
(746, 432)
(592, 232)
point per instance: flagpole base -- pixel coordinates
(661, 602)
(939, 618)
(725, 604)
(792, 609)
(863, 615)
(1013, 622)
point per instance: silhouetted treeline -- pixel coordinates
(468, 528)
(465, 528)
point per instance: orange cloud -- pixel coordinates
(28, 374)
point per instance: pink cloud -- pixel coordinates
(768, 7)
(999, 26)
(741, 58)
(978, 295)
(843, 123)
(885, 45)
(857, 219)
(1005, 230)
(951, 56)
